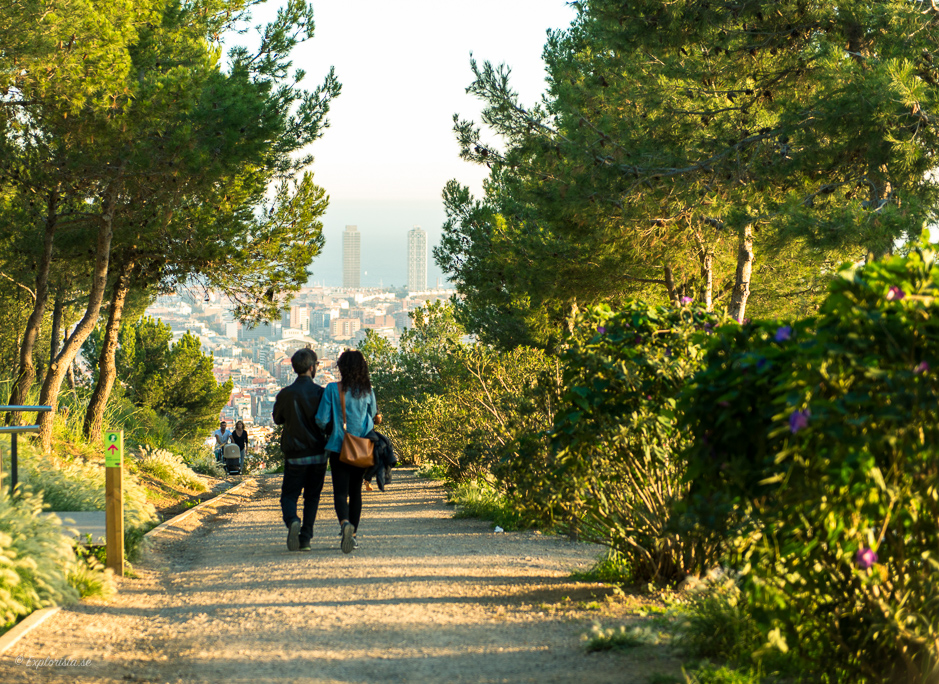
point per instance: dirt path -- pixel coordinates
(425, 598)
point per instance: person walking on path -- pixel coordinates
(240, 437)
(304, 448)
(361, 418)
(222, 437)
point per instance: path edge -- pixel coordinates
(25, 626)
(185, 514)
(12, 636)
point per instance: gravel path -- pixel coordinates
(425, 598)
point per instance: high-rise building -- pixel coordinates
(417, 260)
(351, 257)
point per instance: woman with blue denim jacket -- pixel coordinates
(361, 418)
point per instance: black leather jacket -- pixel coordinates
(295, 408)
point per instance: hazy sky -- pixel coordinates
(404, 69)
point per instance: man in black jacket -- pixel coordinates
(304, 448)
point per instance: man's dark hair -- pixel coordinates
(303, 360)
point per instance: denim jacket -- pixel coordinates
(360, 415)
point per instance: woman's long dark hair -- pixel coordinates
(353, 369)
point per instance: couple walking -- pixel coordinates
(313, 423)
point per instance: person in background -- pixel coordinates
(361, 414)
(240, 437)
(222, 437)
(304, 448)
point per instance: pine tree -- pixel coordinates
(678, 140)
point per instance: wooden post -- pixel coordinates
(114, 500)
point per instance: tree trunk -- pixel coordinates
(707, 276)
(70, 375)
(99, 283)
(107, 372)
(738, 299)
(670, 286)
(56, 326)
(26, 374)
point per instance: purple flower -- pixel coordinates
(865, 558)
(799, 420)
(601, 329)
(745, 321)
(686, 300)
(783, 334)
(724, 404)
(761, 363)
(895, 294)
(922, 368)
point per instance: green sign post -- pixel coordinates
(114, 500)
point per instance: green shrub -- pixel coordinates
(460, 405)
(815, 452)
(612, 568)
(432, 471)
(719, 625)
(273, 456)
(712, 674)
(480, 499)
(617, 428)
(620, 638)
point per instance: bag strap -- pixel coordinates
(342, 402)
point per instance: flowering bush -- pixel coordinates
(814, 448)
(617, 429)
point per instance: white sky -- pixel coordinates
(390, 148)
(404, 69)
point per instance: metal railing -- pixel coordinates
(13, 431)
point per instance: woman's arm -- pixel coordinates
(373, 410)
(324, 412)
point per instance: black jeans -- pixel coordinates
(308, 479)
(347, 489)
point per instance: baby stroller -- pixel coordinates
(231, 459)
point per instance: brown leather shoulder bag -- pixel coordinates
(356, 451)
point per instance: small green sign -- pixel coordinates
(114, 449)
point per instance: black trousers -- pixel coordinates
(347, 489)
(309, 480)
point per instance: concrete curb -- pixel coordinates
(185, 514)
(37, 617)
(27, 625)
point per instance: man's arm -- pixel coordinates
(278, 413)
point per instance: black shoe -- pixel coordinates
(293, 536)
(305, 545)
(348, 541)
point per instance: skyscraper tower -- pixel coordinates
(417, 260)
(351, 257)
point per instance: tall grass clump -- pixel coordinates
(78, 486)
(168, 467)
(38, 564)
